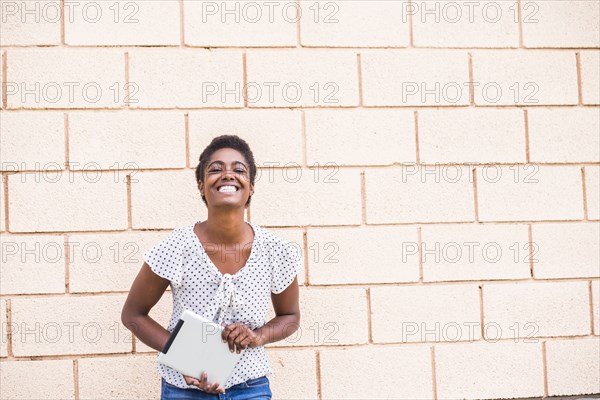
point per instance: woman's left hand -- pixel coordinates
(239, 336)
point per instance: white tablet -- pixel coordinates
(196, 346)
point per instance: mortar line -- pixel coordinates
(181, 24)
(68, 253)
(245, 79)
(481, 313)
(62, 23)
(420, 252)
(67, 131)
(530, 250)
(318, 360)
(129, 202)
(363, 198)
(369, 321)
(476, 201)
(471, 80)
(520, 23)
(527, 145)
(417, 147)
(76, 377)
(545, 367)
(579, 79)
(433, 373)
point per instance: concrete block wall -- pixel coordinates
(437, 161)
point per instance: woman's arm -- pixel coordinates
(145, 292)
(287, 320)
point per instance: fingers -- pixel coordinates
(238, 336)
(208, 387)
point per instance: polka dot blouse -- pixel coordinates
(198, 285)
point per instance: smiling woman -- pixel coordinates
(230, 287)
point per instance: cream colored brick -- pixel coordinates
(27, 256)
(381, 373)
(447, 23)
(573, 366)
(570, 250)
(529, 192)
(70, 201)
(592, 190)
(360, 137)
(3, 329)
(127, 139)
(30, 23)
(474, 252)
(275, 136)
(202, 78)
(32, 141)
(119, 254)
(524, 78)
(99, 23)
(320, 196)
(69, 325)
(300, 78)
(161, 313)
(289, 368)
(425, 313)
(65, 78)
(241, 23)
(471, 135)
(123, 377)
(414, 78)
(596, 306)
(179, 203)
(590, 79)
(54, 379)
(561, 23)
(489, 370)
(540, 309)
(354, 24)
(343, 321)
(412, 193)
(295, 237)
(335, 258)
(564, 134)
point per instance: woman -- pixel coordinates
(225, 269)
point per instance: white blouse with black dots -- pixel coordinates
(198, 285)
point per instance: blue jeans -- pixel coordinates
(252, 389)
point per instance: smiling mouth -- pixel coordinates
(228, 189)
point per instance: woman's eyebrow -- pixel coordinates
(222, 163)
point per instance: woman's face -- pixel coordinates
(226, 167)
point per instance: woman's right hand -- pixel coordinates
(203, 384)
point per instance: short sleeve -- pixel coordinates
(166, 258)
(287, 263)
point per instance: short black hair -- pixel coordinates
(230, 142)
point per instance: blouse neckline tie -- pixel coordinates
(227, 298)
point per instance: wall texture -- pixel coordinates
(437, 161)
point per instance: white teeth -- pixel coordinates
(227, 189)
